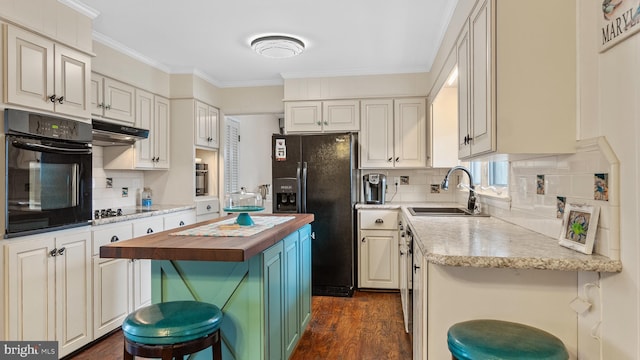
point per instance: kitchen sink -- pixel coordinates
(441, 211)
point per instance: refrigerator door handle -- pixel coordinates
(304, 187)
(299, 190)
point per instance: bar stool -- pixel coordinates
(502, 340)
(172, 330)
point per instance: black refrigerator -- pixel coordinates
(315, 174)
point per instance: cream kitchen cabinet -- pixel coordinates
(393, 133)
(378, 255)
(207, 118)
(179, 219)
(152, 112)
(112, 280)
(419, 294)
(517, 87)
(48, 289)
(322, 116)
(142, 267)
(112, 99)
(46, 75)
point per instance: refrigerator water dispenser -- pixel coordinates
(286, 195)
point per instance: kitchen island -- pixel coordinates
(262, 282)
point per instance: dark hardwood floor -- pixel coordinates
(366, 326)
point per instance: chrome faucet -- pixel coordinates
(471, 203)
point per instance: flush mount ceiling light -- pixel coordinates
(277, 46)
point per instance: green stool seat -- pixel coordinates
(502, 340)
(171, 322)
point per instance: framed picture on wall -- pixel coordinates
(579, 227)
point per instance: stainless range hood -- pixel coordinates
(111, 134)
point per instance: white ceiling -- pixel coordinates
(211, 37)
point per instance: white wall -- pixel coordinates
(255, 149)
(608, 92)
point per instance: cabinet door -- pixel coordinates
(30, 290)
(305, 276)
(291, 278)
(161, 132)
(462, 50)
(273, 267)
(112, 294)
(73, 291)
(119, 99)
(30, 69)
(142, 267)
(72, 71)
(481, 95)
(303, 116)
(376, 135)
(378, 259)
(145, 119)
(341, 115)
(403, 251)
(213, 119)
(419, 329)
(410, 133)
(96, 95)
(202, 124)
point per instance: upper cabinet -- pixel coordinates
(206, 125)
(517, 87)
(393, 133)
(46, 75)
(112, 99)
(322, 116)
(152, 112)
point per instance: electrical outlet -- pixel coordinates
(396, 180)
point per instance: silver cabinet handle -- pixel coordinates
(181, 223)
(53, 252)
(208, 207)
(149, 230)
(61, 250)
(364, 239)
(114, 238)
(379, 221)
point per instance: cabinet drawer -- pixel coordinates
(149, 225)
(378, 219)
(182, 218)
(103, 235)
(204, 207)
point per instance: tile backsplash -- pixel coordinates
(414, 185)
(129, 182)
(575, 178)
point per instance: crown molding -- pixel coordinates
(83, 9)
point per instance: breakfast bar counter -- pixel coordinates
(165, 246)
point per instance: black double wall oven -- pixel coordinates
(48, 173)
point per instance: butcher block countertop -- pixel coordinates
(164, 246)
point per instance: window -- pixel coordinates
(498, 173)
(475, 167)
(231, 155)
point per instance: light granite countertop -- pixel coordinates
(492, 243)
(139, 212)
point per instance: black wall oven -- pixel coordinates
(48, 173)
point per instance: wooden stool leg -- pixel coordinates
(217, 349)
(126, 355)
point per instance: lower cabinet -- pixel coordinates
(419, 305)
(48, 289)
(378, 253)
(266, 300)
(121, 285)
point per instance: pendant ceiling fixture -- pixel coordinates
(277, 46)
